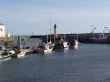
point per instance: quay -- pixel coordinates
(82, 38)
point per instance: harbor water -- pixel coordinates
(88, 63)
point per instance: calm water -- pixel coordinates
(89, 63)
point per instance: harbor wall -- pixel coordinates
(82, 38)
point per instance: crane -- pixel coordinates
(93, 28)
(107, 29)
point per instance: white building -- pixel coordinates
(2, 30)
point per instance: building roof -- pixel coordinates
(1, 23)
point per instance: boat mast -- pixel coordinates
(19, 42)
(47, 38)
(77, 37)
(50, 21)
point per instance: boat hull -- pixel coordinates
(5, 57)
(44, 50)
(22, 54)
(61, 46)
(48, 50)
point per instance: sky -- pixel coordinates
(27, 17)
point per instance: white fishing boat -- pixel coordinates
(21, 54)
(45, 48)
(11, 52)
(76, 44)
(20, 50)
(48, 50)
(65, 45)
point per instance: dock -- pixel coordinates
(82, 38)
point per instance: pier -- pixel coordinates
(82, 38)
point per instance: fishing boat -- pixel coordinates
(100, 39)
(33, 50)
(5, 56)
(20, 50)
(61, 45)
(65, 45)
(48, 48)
(11, 52)
(21, 54)
(45, 48)
(60, 42)
(76, 44)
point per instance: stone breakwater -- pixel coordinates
(82, 38)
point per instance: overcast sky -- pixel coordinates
(38, 16)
